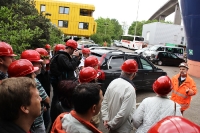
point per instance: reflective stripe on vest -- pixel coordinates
(179, 94)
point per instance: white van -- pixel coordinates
(179, 51)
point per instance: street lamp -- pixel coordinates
(105, 27)
(137, 17)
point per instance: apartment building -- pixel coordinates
(74, 19)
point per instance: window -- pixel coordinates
(160, 49)
(146, 65)
(63, 10)
(42, 8)
(172, 56)
(83, 25)
(63, 23)
(115, 62)
(85, 12)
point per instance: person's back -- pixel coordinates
(153, 109)
(87, 100)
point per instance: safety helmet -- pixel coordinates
(85, 51)
(47, 46)
(130, 66)
(42, 51)
(72, 43)
(43, 54)
(6, 49)
(20, 68)
(87, 74)
(31, 55)
(183, 64)
(162, 86)
(91, 61)
(59, 47)
(174, 124)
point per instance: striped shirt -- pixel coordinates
(39, 120)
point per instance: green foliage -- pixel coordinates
(107, 30)
(24, 28)
(139, 27)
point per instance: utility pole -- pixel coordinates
(137, 17)
(105, 27)
(124, 27)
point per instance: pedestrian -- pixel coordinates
(48, 49)
(184, 87)
(65, 92)
(34, 57)
(85, 54)
(119, 101)
(153, 109)
(59, 47)
(19, 104)
(44, 79)
(62, 67)
(87, 100)
(6, 58)
(89, 75)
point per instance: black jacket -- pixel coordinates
(63, 65)
(9, 127)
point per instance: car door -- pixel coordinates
(149, 73)
(175, 60)
(138, 80)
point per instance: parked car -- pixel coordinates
(117, 43)
(166, 58)
(140, 51)
(86, 45)
(110, 63)
(103, 48)
(179, 51)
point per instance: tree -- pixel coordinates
(139, 27)
(23, 27)
(107, 30)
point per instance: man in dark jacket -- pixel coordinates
(19, 104)
(62, 67)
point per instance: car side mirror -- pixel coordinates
(110, 67)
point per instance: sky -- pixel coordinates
(125, 10)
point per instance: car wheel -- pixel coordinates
(160, 63)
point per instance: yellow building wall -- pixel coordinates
(73, 18)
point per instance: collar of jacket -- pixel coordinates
(130, 81)
(187, 79)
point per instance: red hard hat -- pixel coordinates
(42, 51)
(72, 43)
(59, 47)
(31, 55)
(174, 124)
(85, 51)
(130, 66)
(20, 68)
(163, 85)
(91, 61)
(47, 46)
(87, 74)
(6, 49)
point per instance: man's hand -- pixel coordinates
(76, 53)
(105, 123)
(189, 91)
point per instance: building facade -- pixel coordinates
(163, 33)
(73, 19)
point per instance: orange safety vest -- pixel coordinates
(179, 94)
(57, 125)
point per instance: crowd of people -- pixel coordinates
(78, 104)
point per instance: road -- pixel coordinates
(191, 113)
